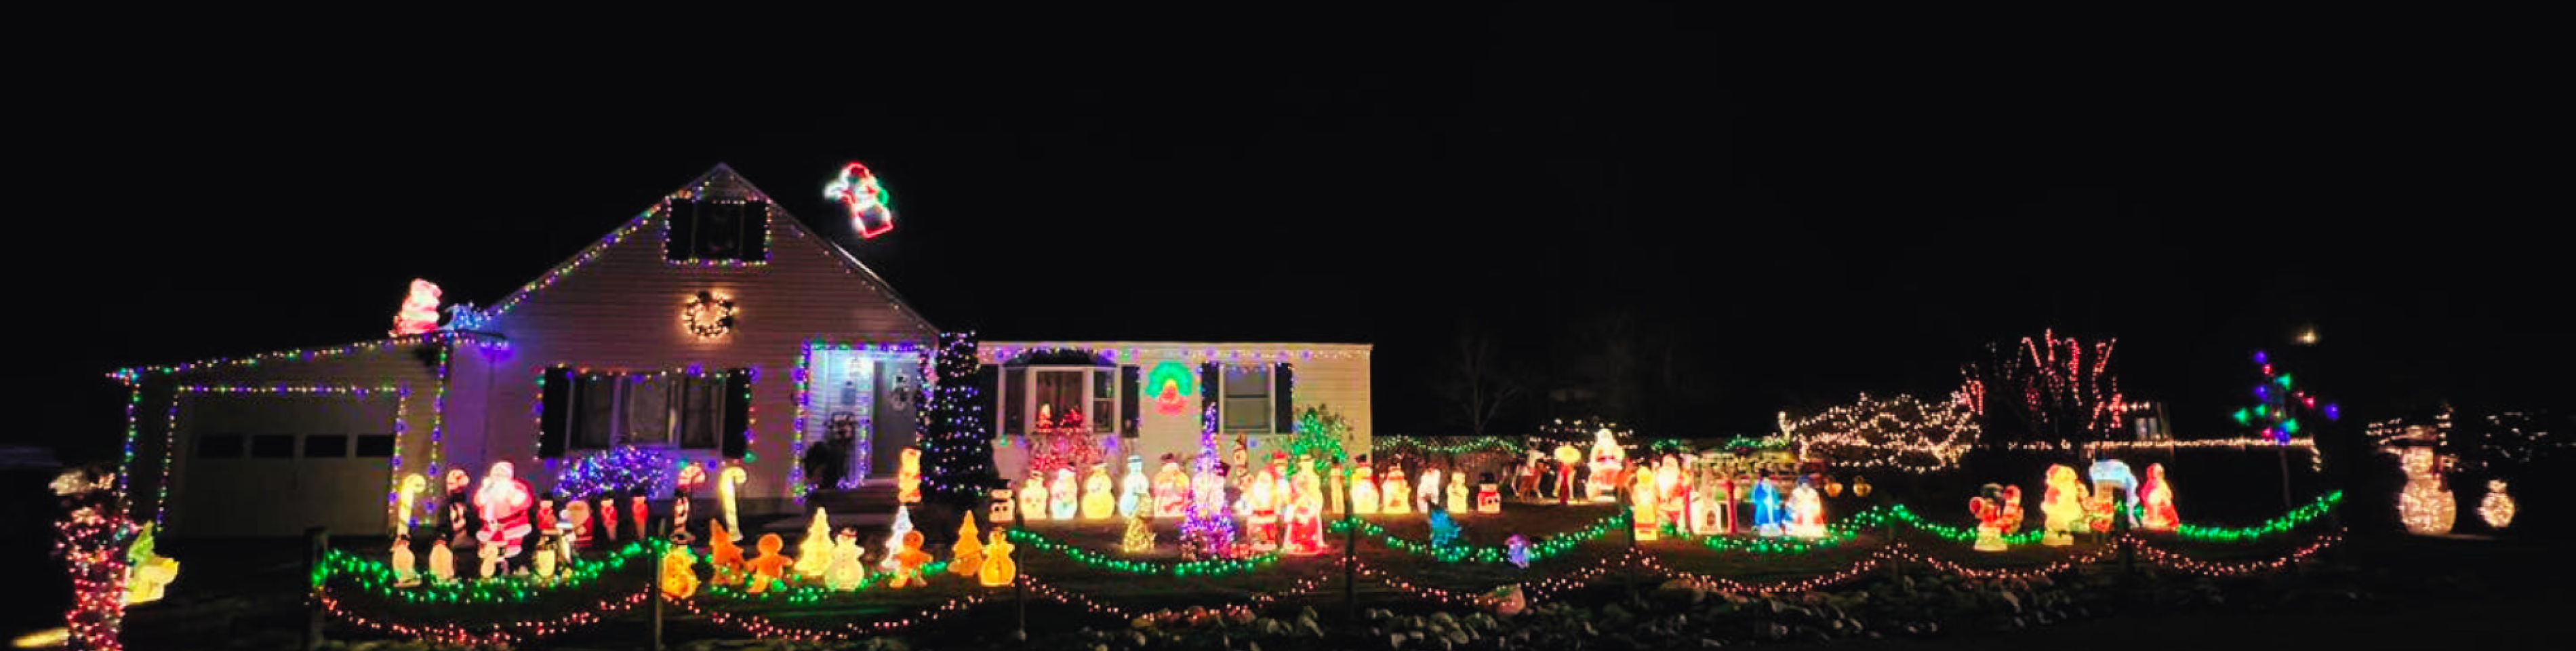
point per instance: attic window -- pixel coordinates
(716, 231)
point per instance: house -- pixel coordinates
(1149, 399)
(712, 327)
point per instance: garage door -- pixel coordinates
(272, 466)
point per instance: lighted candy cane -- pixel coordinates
(733, 476)
(412, 485)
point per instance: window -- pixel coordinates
(272, 446)
(716, 230)
(375, 445)
(1037, 397)
(1102, 392)
(1058, 396)
(219, 446)
(596, 411)
(1247, 399)
(326, 446)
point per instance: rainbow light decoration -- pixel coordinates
(871, 209)
(1171, 384)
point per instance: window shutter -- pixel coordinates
(969, 407)
(737, 413)
(554, 413)
(1283, 413)
(1210, 375)
(680, 230)
(755, 232)
(1128, 379)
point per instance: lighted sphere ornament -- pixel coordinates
(419, 312)
(999, 570)
(708, 315)
(2497, 507)
(2424, 504)
(1833, 488)
(1516, 549)
(2063, 507)
(2155, 501)
(857, 190)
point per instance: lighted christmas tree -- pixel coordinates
(1319, 436)
(894, 539)
(2276, 416)
(967, 556)
(91, 540)
(1207, 533)
(957, 456)
(1445, 534)
(1139, 538)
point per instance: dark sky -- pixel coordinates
(1813, 217)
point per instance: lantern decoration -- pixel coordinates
(894, 539)
(1364, 498)
(857, 190)
(1768, 521)
(1134, 489)
(966, 556)
(1607, 460)
(1005, 507)
(1138, 538)
(1489, 496)
(1099, 501)
(2113, 486)
(408, 495)
(419, 312)
(2424, 504)
(907, 563)
(1989, 510)
(1033, 497)
(768, 568)
(1860, 486)
(1566, 457)
(1171, 490)
(1397, 495)
(814, 553)
(503, 503)
(2155, 501)
(1062, 494)
(1806, 511)
(726, 482)
(1516, 549)
(2497, 507)
(1172, 385)
(846, 572)
(679, 579)
(2063, 507)
(998, 568)
(1642, 498)
(147, 573)
(907, 477)
(707, 314)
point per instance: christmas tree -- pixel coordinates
(1207, 533)
(894, 538)
(957, 459)
(967, 556)
(1139, 538)
(2277, 414)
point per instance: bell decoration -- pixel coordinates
(1833, 487)
(1860, 486)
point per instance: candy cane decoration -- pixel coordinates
(725, 483)
(412, 485)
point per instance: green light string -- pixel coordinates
(2285, 522)
(798, 590)
(1956, 534)
(378, 578)
(1835, 535)
(1207, 568)
(1392, 441)
(1541, 550)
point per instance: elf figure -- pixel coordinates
(1133, 489)
(2063, 507)
(1364, 498)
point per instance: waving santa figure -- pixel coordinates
(503, 502)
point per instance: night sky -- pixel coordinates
(1807, 219)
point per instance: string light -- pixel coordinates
(2285, 522)
(1121, 352)
(341, 569)
(508, 634)
(1393, 442)
(1546, 548)
(2183, 563)
(486, 341)
(1206, 567)
(1890, 433)
(956, 450)
(708, 314)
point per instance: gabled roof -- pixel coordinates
(720, 181)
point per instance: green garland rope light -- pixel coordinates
(378, 578)
(1541, 550)
(1206, 568)
(2285, 522)
(1392, 441)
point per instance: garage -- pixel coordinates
(271, 465)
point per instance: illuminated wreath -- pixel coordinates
(708, 315)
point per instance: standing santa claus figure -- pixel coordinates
(503, 502)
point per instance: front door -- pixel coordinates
(898, 398)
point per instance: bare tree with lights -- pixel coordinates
(2062, 390)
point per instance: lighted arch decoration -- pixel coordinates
(1171, 384)
(871, 209)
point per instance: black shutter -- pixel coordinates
(554, 415)
(1210, 375)
(1128, 379)
(1283, 410)
(681, 220)
(970, 406)
(737, 413)
(755, 232)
